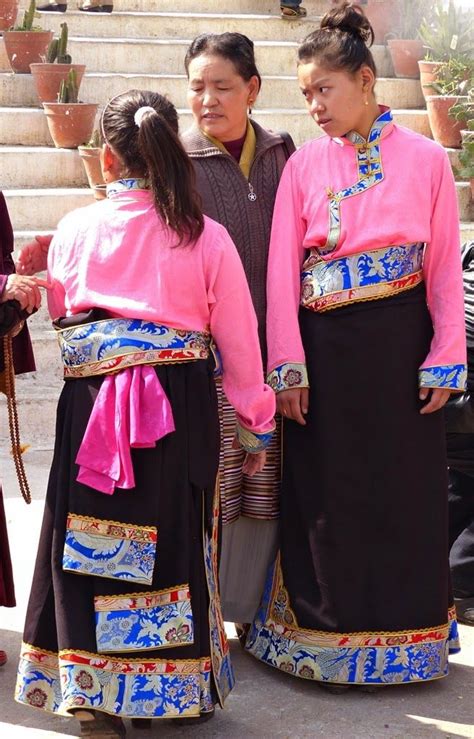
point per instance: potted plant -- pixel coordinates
(90, 155)
(404, 42)
(70, 122)
(48, 75)
(453, 80)
(464, 112)
(8, 14)
(26, 43)
(445, 35)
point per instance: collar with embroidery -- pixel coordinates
(380, 128)
(126, 184)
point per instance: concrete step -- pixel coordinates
(143, 56)
(175, 23)
(29, 125)
(271, 7)
(467, 231)
(99, 87)
(44, 166)
(41, 209)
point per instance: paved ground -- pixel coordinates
(265, 703)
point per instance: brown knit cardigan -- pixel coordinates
(224, 191)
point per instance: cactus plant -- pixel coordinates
(57, 50)
(68, 89)
(28, 19)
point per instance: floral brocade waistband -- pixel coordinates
(110, 345)
(371, 275)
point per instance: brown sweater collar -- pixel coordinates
(198, 145)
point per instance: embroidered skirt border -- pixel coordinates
(358, 658)
(62, 682)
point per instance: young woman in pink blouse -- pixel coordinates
(124, 617)
(365, 331)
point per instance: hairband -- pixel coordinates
(139, 114)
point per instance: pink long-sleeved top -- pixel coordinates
(120, 256)
(347, 197)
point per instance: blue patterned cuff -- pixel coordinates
(288, 376)
(253, 443)
(450, 376)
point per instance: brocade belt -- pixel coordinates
(131, 408)
(371, 275)
(112, 344)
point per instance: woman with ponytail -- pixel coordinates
(124, 617)
(366, 342)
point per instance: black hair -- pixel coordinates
(236, 47)
(342, 41)
(153, 150)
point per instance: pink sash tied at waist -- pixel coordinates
(131, 410)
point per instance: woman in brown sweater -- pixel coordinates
(238, 166)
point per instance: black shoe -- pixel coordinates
(465, 610)
(98, 9)
(52, 8)
(141, 723)
(242, 633)
(333, 688)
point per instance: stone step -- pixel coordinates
(41, 209)
(143, 56)
(29, 125)
(466, 231)
(272, 7)
(165, 24)
(44, 166)
(99, 87)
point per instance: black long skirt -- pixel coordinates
(360, 591)
(124, 613)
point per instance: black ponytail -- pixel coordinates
(153, 150)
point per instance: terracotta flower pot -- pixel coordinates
(70, 124)
(48, 78)
(405, 55)
(8, 14)
(446, 130)
(384, 16)
(26, 47)
(428, 72)
(91, 160)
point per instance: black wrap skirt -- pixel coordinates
(360, 591)
(124, 614)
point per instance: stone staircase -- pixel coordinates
(142, 45)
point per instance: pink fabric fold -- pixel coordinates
(131, 410)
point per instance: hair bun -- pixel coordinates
(349, 18)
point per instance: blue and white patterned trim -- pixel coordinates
(369, 275)
(109, 549)
(356, 658)
(251, 442)
(132, 688)
(139, 621)
(450, 376)
(369, 171)
(288, 376)
(111, 344)
(126, 184)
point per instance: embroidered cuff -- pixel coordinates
(287, 376)
(251, 442)
(451, 376)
